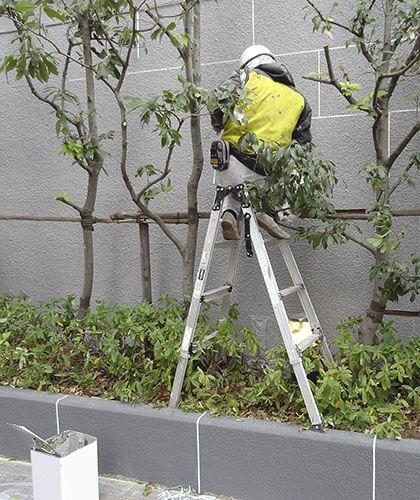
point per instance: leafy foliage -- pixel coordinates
(387, 37)
(296, 176)
(130, 354)
(170, 110)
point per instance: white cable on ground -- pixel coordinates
(182, 495)
(374, 469)
(56, 412)
(187, 494)
(198, 453)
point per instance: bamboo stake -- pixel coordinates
(182, 217)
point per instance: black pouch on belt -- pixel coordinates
(219, 155)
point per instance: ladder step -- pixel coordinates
(307, 342)
(291, 289)
(226, 243)
(216, 292)
(196, 346)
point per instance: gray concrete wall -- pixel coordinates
(248, 459)
(44, 259)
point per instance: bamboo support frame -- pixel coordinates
(182, 218)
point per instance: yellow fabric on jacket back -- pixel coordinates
(272, 114)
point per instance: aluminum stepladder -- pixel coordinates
(294, 349)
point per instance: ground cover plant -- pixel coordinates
(130, 354)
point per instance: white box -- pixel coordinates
(72, 477)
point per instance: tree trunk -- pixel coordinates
(375, 312)
(193, 74)
(88, 271)
(87, 225)
(95, 164)
(146, 277)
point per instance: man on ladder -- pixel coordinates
(277, 113)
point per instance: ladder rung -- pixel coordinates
(292, 289)
(196, 346)
(226, 243)
(307, 342)
(216, 292)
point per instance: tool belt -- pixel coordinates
(248, 160)
(220, 152)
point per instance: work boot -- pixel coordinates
(229, 226)
(286, 215)
(267, 223)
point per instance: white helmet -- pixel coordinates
(254, 51)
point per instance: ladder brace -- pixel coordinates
(291, 289)
(216, 292)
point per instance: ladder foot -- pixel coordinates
(318, 428)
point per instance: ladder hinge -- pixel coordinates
(239, 194)
(221, 193)
(248, 243)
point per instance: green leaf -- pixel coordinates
(26, 7)
(376, 242)
(148, 489)
(53, 14)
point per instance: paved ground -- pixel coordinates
(16, 484)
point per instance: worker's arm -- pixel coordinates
(217, 117)
(302, 133)
(217, 120)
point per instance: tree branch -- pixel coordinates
(69, 203)
(400, 180)
(108, 38)
(130, 48)
(137, 198)
(54, 105)
(363, 244)
(329, 20)
(402, 145)
(166, 170)
(64, 75)
(157, 22)
(333, 81)
(21, 26)
(410, 62)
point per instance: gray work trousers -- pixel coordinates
(235, 174)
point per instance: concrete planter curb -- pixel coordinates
(249, 459)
